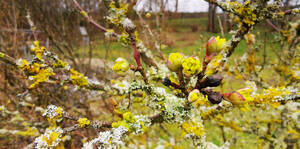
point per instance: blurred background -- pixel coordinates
(179, 26)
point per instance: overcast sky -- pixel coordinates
(186, 5)
(183, 5)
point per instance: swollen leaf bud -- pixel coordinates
(235, 98)
(213, 46)
(213, 80)
(241, 96)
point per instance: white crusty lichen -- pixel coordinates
(171, 105)
(128, 24)
(53, 111)
(158, 73)
(50, 139)
(142, 122)
(108, 139)
(121, 86)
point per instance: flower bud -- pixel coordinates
(194, 95)
(211, 81)
(213, 46)
(235, 98)
(121, 65)
(191, 66)
(241, 96)
(175, 61)
(215, 97)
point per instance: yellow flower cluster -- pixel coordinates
(175, 61)
(191, 66)
(38, 51)
(202, 100)
(59, 112)
(78, 78)
(82, 122)
(193, 127)
(121, 65)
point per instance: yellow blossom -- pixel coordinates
(175, 61)
(191, 66)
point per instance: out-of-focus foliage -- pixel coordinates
(158, 102)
